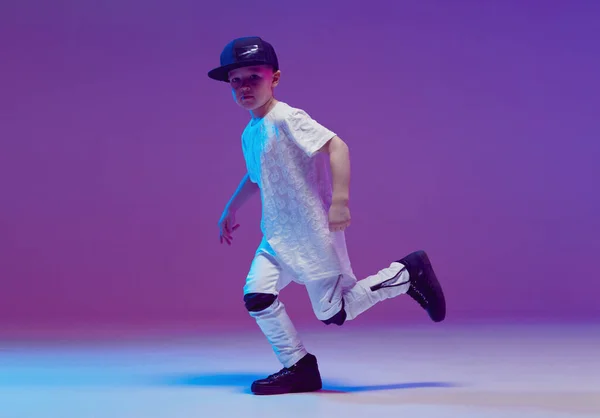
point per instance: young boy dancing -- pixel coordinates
(302, 171)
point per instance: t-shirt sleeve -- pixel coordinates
(306, 132)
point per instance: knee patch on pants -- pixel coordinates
(256, 302)
(338, 319)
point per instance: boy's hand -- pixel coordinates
(339, 217)
(227, 225)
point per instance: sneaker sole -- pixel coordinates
(281, 391)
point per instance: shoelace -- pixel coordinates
(283, 372)
(418, 296)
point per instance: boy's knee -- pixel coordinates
(337, 319)
(256, 302)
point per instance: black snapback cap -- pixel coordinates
(244, 52)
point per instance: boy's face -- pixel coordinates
(252, 87)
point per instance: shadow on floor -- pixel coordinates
(242, 381)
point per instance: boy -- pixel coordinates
(304, 215)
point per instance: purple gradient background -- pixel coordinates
(473, 128)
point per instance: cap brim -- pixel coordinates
(222, 73)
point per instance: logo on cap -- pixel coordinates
(249, 50)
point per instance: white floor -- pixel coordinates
(432, 371)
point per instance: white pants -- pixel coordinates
(326, 296)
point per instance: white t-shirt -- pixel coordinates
(295, 186)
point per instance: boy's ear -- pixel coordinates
(276, 77)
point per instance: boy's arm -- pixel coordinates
(227, 223)
(339, 159)
(245, 189)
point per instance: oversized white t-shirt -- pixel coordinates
(295, 186)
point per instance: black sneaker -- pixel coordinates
(303, 376)
(424, 285)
